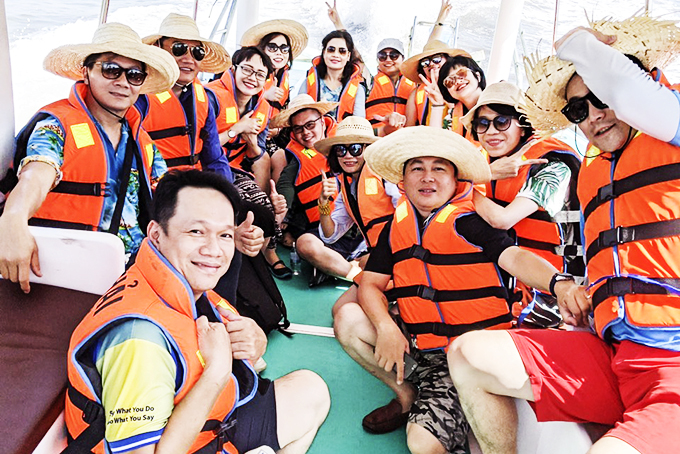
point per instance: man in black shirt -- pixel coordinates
(445, 263)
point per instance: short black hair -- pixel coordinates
(165, 197)
(509, 111)
(451, 63)
(247, 53)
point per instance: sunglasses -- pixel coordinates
(451, 80)
(393, 55)
(273, 47)
(577, 109)
(297, 129)
(179, 49)
(354, 149)
(248, 71)
(112, 71)
(500, 122)
(332, 49)
(429, 61)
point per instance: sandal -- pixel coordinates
(281, 273)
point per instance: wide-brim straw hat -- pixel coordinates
(295, 31)
(67, 61)
(350, 130)
(388, 155)
(654, 42)
(409, 67)
(503, 92)
(178, 26)
(300, 102)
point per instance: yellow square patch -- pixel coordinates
(591, 152)
(163, 96)
(352, 90)
(382, 80)
(311, 79)
(401, 212)
(231, 115)
(82, 135)
(260, 118)
(149, 152)
(309, 153)
(285, 84)
(371, 186)
(420, 96)
(200, 93)
(445, 213)
(408, 82)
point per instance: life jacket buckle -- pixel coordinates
(619, 235)
(620, 286)
(419, 252)
(427, 293)
(605, 193)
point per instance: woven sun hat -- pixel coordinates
(67, 61)
(388, 155)
(350, 130)
(654, 42)
(178, 26)
(295, 31)
(300, 102)
(499, 93)
(410, 66)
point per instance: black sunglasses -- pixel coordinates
(577, 109)
(354, 149)
(500, 122)
(297, 129)
(332, 49)
(112, 71)
(428, 61)
(393, 55)
(273, 47)
(179, 49)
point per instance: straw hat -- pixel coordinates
(178, 26)
(410, 66)
(498, 93)
(67, 61)
(350, 130)
(388, 155)
(295, 31)
(300, 102)
(655, 42)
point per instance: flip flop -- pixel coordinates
(281, 273)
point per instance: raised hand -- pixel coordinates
(508, 166)
(275, 93)
(278, 202)
(328, 189)
(249, 238)
(431, 87)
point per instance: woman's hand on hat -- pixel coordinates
(431, 87)
(606, 39)
(328, 189)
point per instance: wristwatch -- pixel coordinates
(231, 134)
(559, 277)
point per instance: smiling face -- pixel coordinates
(601, 128)
(307, 137)
(199, 238)
(498, 143)
(336, 60)
(116, 95)
(278, 58)
(188, 66)
(429, 182)
(463, 85)
(351, 165)
(252, 84)
(390, 67)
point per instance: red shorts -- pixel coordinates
(575, 376)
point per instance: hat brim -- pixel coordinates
(282, 120)
(217, 59)
(409, 67)
(323, 146)
(388, 155)
(492, 96)
(67, 61)
(295, 31)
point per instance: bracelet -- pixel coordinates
(324, 210)
(441, 24)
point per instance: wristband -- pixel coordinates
(324, 210)
(440, 24)
(559, 277)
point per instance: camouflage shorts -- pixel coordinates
(437, 408)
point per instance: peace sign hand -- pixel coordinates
(431, 87)
(509, 166)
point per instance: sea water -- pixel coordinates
(37, 26)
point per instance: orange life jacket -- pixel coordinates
(150, 290)
(166, 122)
(283, 83)
(77, 202)
(308, 179)
(229, 115)
(372, 207)
(386, 98)
(444, 285)
(549, 237)
(347, 95)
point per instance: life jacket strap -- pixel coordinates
(77, 188)
(417, 251)
(40, 222)
(444, 329)
(169, 132)
(183, 161)
(620, 235)
(621, 286)
(93, 415)
(438, 296)
(389, 99)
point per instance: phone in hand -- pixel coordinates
(410, 366)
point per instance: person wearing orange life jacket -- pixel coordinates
(539, 202)
(84, 162)
(243, 114)
(181, 120)
(386, 104)
(445, 263)
(334, 77)
(365, 200)
(625, 374)
(163, 362)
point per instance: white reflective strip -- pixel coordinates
(567, 217)
(559, 250)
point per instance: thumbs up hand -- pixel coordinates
(249, 238)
